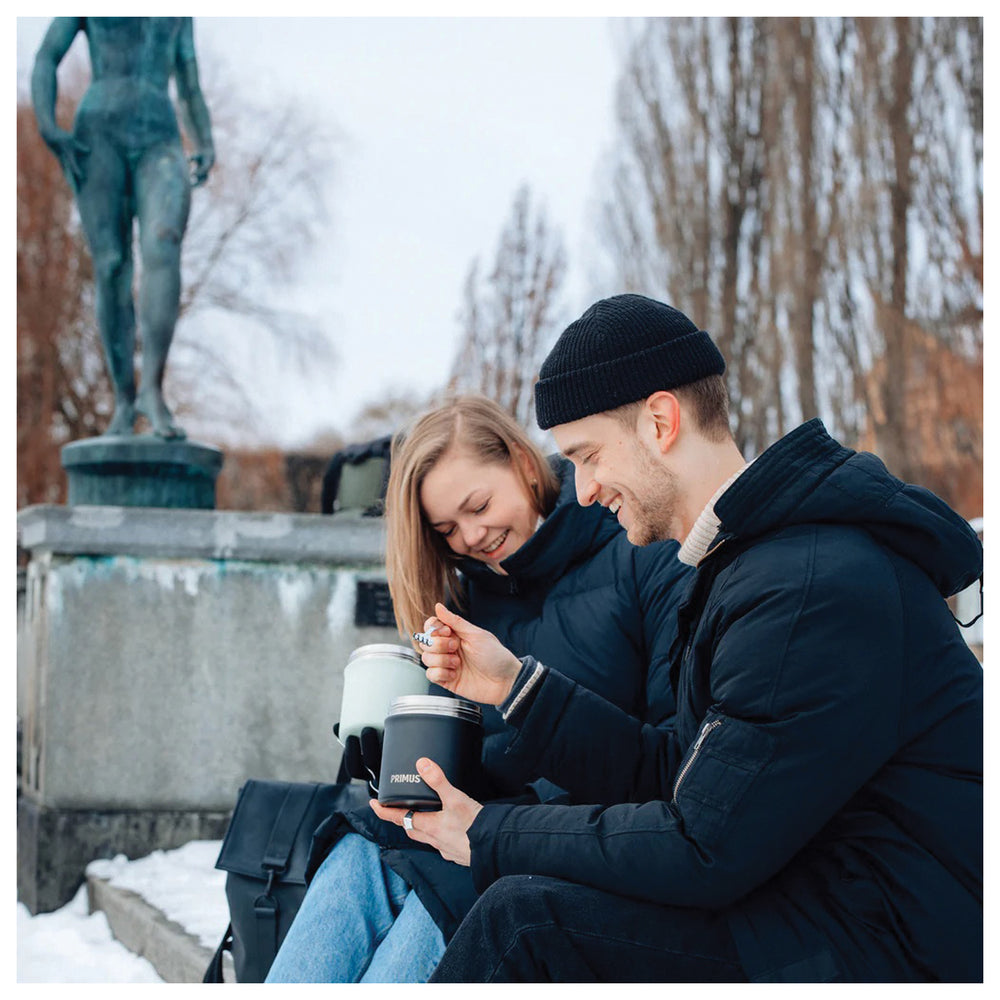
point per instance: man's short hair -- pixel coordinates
(708, 399)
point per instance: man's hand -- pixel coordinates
(447, 830)
(467, 660)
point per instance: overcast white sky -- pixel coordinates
(444, 118)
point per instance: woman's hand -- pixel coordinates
(447, 831)
(467, 660)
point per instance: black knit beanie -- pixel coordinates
(620, 350)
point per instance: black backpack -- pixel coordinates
(264, 853)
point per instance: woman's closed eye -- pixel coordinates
(450, 530)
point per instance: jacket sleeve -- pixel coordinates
(593, 749)
(804, 708)
(660, 581)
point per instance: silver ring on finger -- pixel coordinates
(408, 820)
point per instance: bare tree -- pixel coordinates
(692, 197)
(796, 160)
(510, 318)
(254, 480)
(919, 217)
(811, 191)
(947, 114)
(389, 414)
(265, 209)
(63, 390)
(886, 61)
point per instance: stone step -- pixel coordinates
(177, 956)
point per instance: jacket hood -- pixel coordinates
(809, 478)
(570, 534)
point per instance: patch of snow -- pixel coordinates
(183, 884)
(71, 945)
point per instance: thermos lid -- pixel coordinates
(386, 649)
(432, 704)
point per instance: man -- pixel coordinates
(124, 161)
(816, 812)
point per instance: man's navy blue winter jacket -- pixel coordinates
(579, 596)
(823, 781)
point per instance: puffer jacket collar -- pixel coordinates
(807, 478)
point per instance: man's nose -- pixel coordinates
(586, 488)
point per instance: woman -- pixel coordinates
(477, 518)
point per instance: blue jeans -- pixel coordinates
(358, 923)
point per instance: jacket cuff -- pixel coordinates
(482, 835)
(522, 691)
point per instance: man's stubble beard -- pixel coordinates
(655, 501)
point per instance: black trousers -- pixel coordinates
(527, 928)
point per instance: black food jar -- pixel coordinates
(447, 730)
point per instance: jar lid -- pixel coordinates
(432, 704)
(386, 649)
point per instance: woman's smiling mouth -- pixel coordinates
(493, 546)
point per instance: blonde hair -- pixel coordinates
(420, 567)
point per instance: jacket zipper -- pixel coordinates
(706, 729)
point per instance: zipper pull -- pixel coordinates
(695, 749)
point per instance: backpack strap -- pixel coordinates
(213, 974)
(276, 857)
(286, 825)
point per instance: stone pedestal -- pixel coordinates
(55, 845)
(141, 470)
(166, 656)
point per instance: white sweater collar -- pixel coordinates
(706, 527)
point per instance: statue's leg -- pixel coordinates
(106, 214)
(163, 199)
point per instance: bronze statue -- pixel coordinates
(125, 162)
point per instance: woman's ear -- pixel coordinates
(665, 419)
(526, 466)
(523, 462)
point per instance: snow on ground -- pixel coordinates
(72, 946)
(68, 946)
(183, 884)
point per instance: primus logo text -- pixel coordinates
(411, 779)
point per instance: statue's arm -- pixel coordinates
(194, 110)
(44, 87)
(55, 45)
